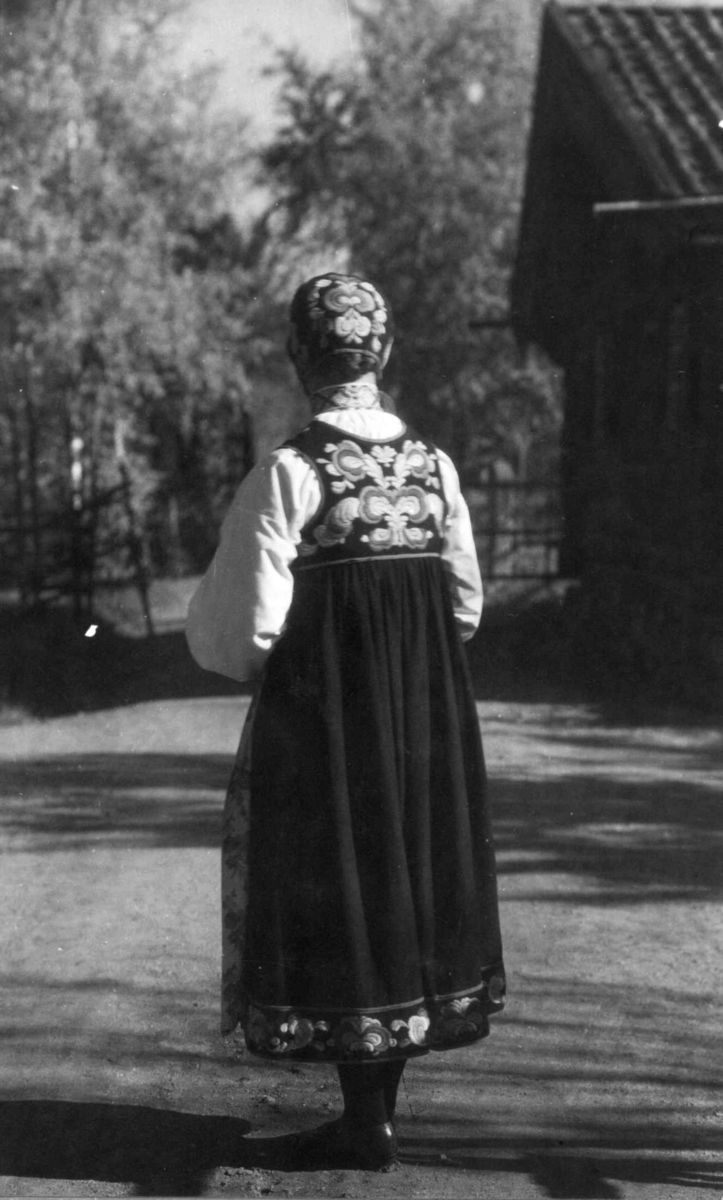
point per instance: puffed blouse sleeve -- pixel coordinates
(239, 610)
(459, 554)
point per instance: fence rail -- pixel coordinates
(517, 527)
(65, 555)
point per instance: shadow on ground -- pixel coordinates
(48, 667)
(162, 1152)
(121, 800)
(639, 837)
(589, 1170)
(528, 650)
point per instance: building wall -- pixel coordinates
(644, 487)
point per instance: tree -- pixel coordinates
(413, 165)
(112, 171)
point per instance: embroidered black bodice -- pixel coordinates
(380, 498)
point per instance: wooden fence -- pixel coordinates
(71, 552)
(518, 528)
(95, 543)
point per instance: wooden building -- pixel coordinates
(619, 276)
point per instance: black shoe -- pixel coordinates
(337, 1144)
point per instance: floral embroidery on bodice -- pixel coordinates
(379, 498)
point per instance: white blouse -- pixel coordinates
(239, 609)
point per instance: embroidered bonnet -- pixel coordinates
(339, 317)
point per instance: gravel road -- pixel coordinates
(602, 1079)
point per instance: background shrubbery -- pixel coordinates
(142, 302)
(143, 317)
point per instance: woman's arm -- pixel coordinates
(239, 609)
(459, 554)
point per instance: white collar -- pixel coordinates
(364, 422)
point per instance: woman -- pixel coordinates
(360, 907)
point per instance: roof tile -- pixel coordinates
(663, 65)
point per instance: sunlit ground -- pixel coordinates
(603, 1076)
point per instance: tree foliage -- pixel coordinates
(414, 164)
(126, 325)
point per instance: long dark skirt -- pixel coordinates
(372, 927)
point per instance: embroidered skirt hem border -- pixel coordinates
(323, 1035)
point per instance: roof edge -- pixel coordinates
(555, 12)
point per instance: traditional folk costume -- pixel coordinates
(359, 898)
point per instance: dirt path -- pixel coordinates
(601, 1080)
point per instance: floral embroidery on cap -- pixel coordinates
(339, 314)
(352, 311)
